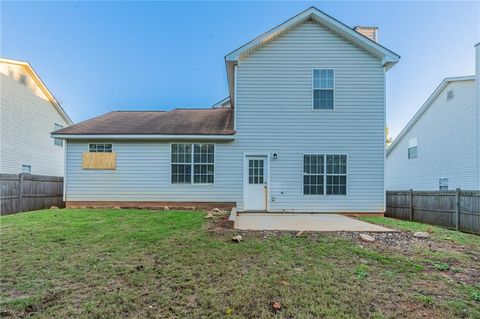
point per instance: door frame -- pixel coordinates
(245, 176)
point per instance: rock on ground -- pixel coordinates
(367, 238)
(209, 215)
(54, 207)
(237, 238)
(421, 234)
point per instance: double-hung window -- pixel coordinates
(323, 89)
(192, 163)
(324, 174)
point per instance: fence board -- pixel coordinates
(26, 192)
(437, 208)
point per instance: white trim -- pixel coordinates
(145, 137)
(320, 17)
(325, 154)
(65, 170)
(313, 89)
(425, 107)
(235, 97)
(245, 176)
(192, 165)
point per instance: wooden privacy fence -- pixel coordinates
(25, 192)
(456, 209)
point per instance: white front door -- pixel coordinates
(256, 183)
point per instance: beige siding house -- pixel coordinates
(28, 114)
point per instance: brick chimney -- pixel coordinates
(369, 32)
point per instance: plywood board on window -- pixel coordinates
(99, 160)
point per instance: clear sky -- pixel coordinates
(101, 56)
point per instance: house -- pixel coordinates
(439, 149)
(301, 131)
(28, 115)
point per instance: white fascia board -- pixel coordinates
(143, 137)
(322, 18)
(425, 107)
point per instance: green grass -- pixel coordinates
(148, 264)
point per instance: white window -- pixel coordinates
(443, 184)
(99, 148)
(324, 174)
(323, 89)
(412, 148)
(26, 169)
(313, 174)
(192, 163)
(450, 95)
(57, 141)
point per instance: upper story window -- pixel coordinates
(57, 141)
(450, 95)
(323, 89)
(192, 163)
(412, 148)
(99, 148)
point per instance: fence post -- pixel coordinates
(411, 204)
(457, 208)
(20, 192)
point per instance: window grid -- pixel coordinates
(57, 141)
(412, 152)
(443, 184)
(192, 163)
(324, 174)
(99, 148)
(323, 89)
(313, 174)
(255, 171)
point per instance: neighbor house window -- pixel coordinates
(99, 148)
(323, 89)
(412, 148)
(324, 174)
(57, 141)
(26, 168)
(443, 184)
(192, 163)
(449, 95)
(313, 174)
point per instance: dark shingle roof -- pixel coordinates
(176, 122)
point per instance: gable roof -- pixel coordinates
(425, 107)
(41, 85)
(388, 58)
(176, 122)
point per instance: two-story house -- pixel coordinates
(439, 149)
(303, 130)
(28, 114)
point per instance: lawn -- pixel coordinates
(151, 264)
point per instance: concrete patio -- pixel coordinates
(304, 222)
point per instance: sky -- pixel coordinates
(96, 57)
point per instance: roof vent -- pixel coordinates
(369, 32)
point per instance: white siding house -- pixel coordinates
(28, 114)
(439, 147)
(308, 107)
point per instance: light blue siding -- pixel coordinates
(274, 114)
(447, 144)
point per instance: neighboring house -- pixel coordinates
(439, 149)
(28, 115)
(303, 130)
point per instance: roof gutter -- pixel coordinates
(160, 137)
